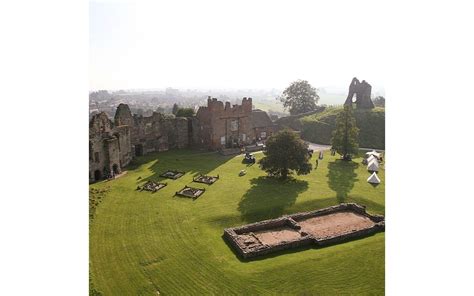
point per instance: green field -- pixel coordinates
(142, 242)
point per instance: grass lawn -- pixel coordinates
(143, 242)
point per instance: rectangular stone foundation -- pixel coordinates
(209, 180)
(172, 174)
(190, 192)
(318, 228)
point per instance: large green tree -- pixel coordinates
(299, 97)
(345, 136)
(185, 112)
(285, 153)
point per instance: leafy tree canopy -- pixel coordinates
(345, 136)
(185, 112)
(299, 97)
(285, 153)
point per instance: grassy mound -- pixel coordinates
(318, 128)
(143, 242)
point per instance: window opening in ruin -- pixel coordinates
(234, 125)
(354, 98)
(96, 156)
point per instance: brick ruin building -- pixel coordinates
(362, 91)
(113, 144)
(225, 126)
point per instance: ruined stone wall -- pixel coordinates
(123, 116)
(100, 128)
(362, 92)
(112, 155)
(125, 146)
(227, 124)
(181, 130)
(108, 146)
(204, 129)
(154, 133)
(194, 132)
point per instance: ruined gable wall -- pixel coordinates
(123, 116)
(220, 119)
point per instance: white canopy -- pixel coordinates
(373, 166)
(373, 153)
(373, 179)
(371, 158)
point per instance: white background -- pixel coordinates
(426, 58)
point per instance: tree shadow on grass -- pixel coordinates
(341, 177)
(269, 197)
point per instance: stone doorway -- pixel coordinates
(115, 169)
(97, 175)
(138, 150)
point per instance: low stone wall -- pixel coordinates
(252, 247)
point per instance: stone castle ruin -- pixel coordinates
(113, 144)
(226, 126)
(362, 92)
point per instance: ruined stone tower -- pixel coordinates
(362, 91)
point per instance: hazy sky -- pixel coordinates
(239, 44)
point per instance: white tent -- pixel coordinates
(373, 166)
(373, 179)
(371, 158)
(373, 153)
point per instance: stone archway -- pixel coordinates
(115, 169)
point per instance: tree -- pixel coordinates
(299, 97)
(175, 109)
(379, 101)
(185, 112)
(285, 153)
(345, 136)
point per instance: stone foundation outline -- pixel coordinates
(247, 245)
